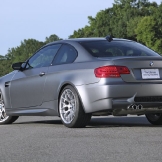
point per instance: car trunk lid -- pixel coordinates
(142, 69)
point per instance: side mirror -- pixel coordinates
(17, 66)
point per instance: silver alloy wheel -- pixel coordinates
(67, 106)
(3, 116)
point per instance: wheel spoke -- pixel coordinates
(63, 105)
(67, 118)
(72, 114)
(72, 101)
(2, 116)
(67, 113)
(65, 99)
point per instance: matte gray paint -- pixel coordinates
(27, 88)
(31, 94)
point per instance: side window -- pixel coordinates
(43, 57)
(67, 54)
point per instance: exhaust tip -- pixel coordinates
(135, 107)
(140, 106)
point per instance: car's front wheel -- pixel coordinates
(71, 110)
(155, 119)
(4, 119)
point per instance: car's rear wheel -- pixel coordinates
(4, 119)
(71, 110)
(155, 119)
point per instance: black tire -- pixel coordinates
(9, 120)
(155, 119)
(70, 109)
(4, 119)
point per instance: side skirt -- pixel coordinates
(46, 109)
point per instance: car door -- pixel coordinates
(58, 70)
(26, 87)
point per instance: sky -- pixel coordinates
(38, 19)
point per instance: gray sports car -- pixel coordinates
(78, 78)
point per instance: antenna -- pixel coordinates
(109, 38)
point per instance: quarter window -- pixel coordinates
(67, 54)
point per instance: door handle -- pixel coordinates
(7, 84)
(42, 73)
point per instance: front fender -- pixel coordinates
(6, 89)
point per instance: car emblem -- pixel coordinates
(151, 63)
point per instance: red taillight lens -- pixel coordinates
(111, 71)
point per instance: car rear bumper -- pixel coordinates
(100, 97)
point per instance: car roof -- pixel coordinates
(95, 39)
(86, 39)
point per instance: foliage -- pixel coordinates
(52, 38)
(138, 20)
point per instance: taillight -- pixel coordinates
(111, 71)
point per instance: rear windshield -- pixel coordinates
(117, 48)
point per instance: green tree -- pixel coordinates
(148, 33)
(138, 20)
(52, 38)
(120, 21)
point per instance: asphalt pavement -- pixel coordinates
(105, 139)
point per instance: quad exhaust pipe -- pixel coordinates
(135, 107)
